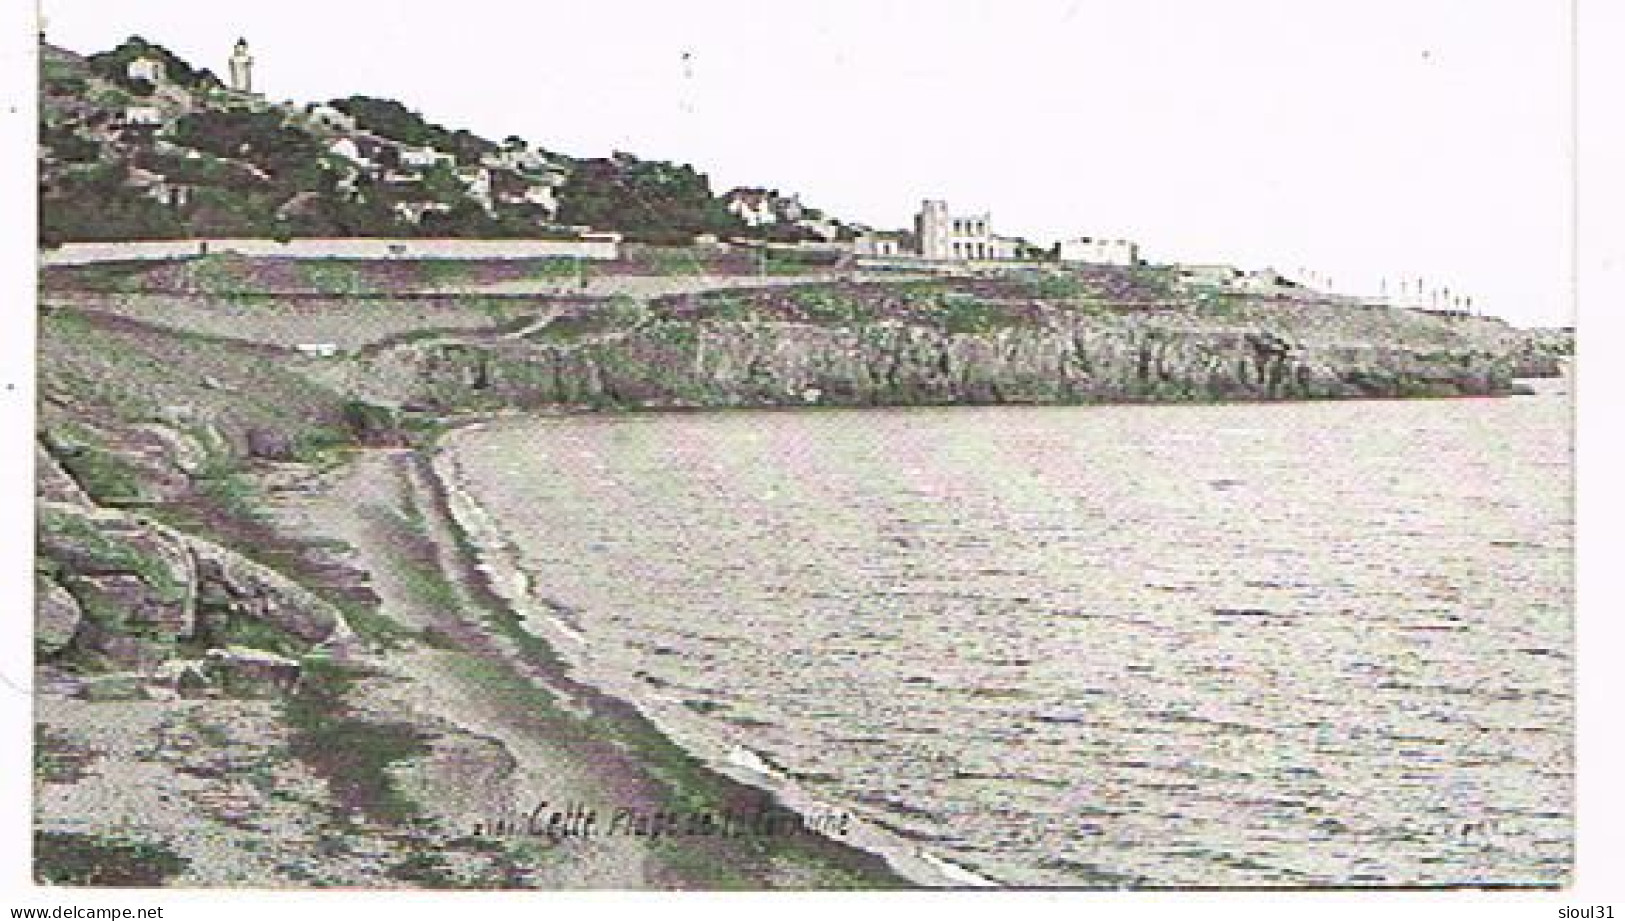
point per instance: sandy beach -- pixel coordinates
(556, 748)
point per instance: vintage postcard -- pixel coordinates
(723, 445)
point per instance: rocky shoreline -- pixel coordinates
(274, 647)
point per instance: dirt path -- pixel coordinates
(649, 287)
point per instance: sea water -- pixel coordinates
(1232, 645)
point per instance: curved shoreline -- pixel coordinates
(496, 565)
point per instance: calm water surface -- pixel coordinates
(1171, 645)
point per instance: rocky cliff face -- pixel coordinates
(120, 593)
(693, 354)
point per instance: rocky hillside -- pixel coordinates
(951, 342)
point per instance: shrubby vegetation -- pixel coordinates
(114, 65)
(645, 197)
(388, 118)
(224, 168)
(289, 155)
(95, 204)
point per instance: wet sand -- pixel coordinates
(576, 752)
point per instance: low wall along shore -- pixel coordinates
(81, 253)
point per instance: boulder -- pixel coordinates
(129, 620)
(183, 451)
(120, 686)
(133, 583)
(54, 484)
(239, 587)
(270, 444)
(240, 671)
(133, 465)
(56, 616)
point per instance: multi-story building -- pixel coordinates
(476, 182)
(947, 237)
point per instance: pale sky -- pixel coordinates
(1361, 139)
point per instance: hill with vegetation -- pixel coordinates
(123, 157)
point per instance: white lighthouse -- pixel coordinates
(242, 68)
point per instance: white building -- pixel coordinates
(879, 244)
(753, 206)
(518, 159)
(242, 68)
(541, 195)
(1263, 281)
(1099, 252)
(413, 211)
(476, 182)
(425, 157)
(1209, 276)
(143, 117)
(330, 117)
(158, 187)
(821, 227)
(145, 68)
(349, 150)
(946, 237)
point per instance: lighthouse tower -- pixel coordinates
(242, 68)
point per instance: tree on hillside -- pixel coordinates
(468, 147)
(390, 119)
(289, 155)
(341, 216)
(465, 219)
(114, 65)
(624, 193)
(96, 204)
(68, 145)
